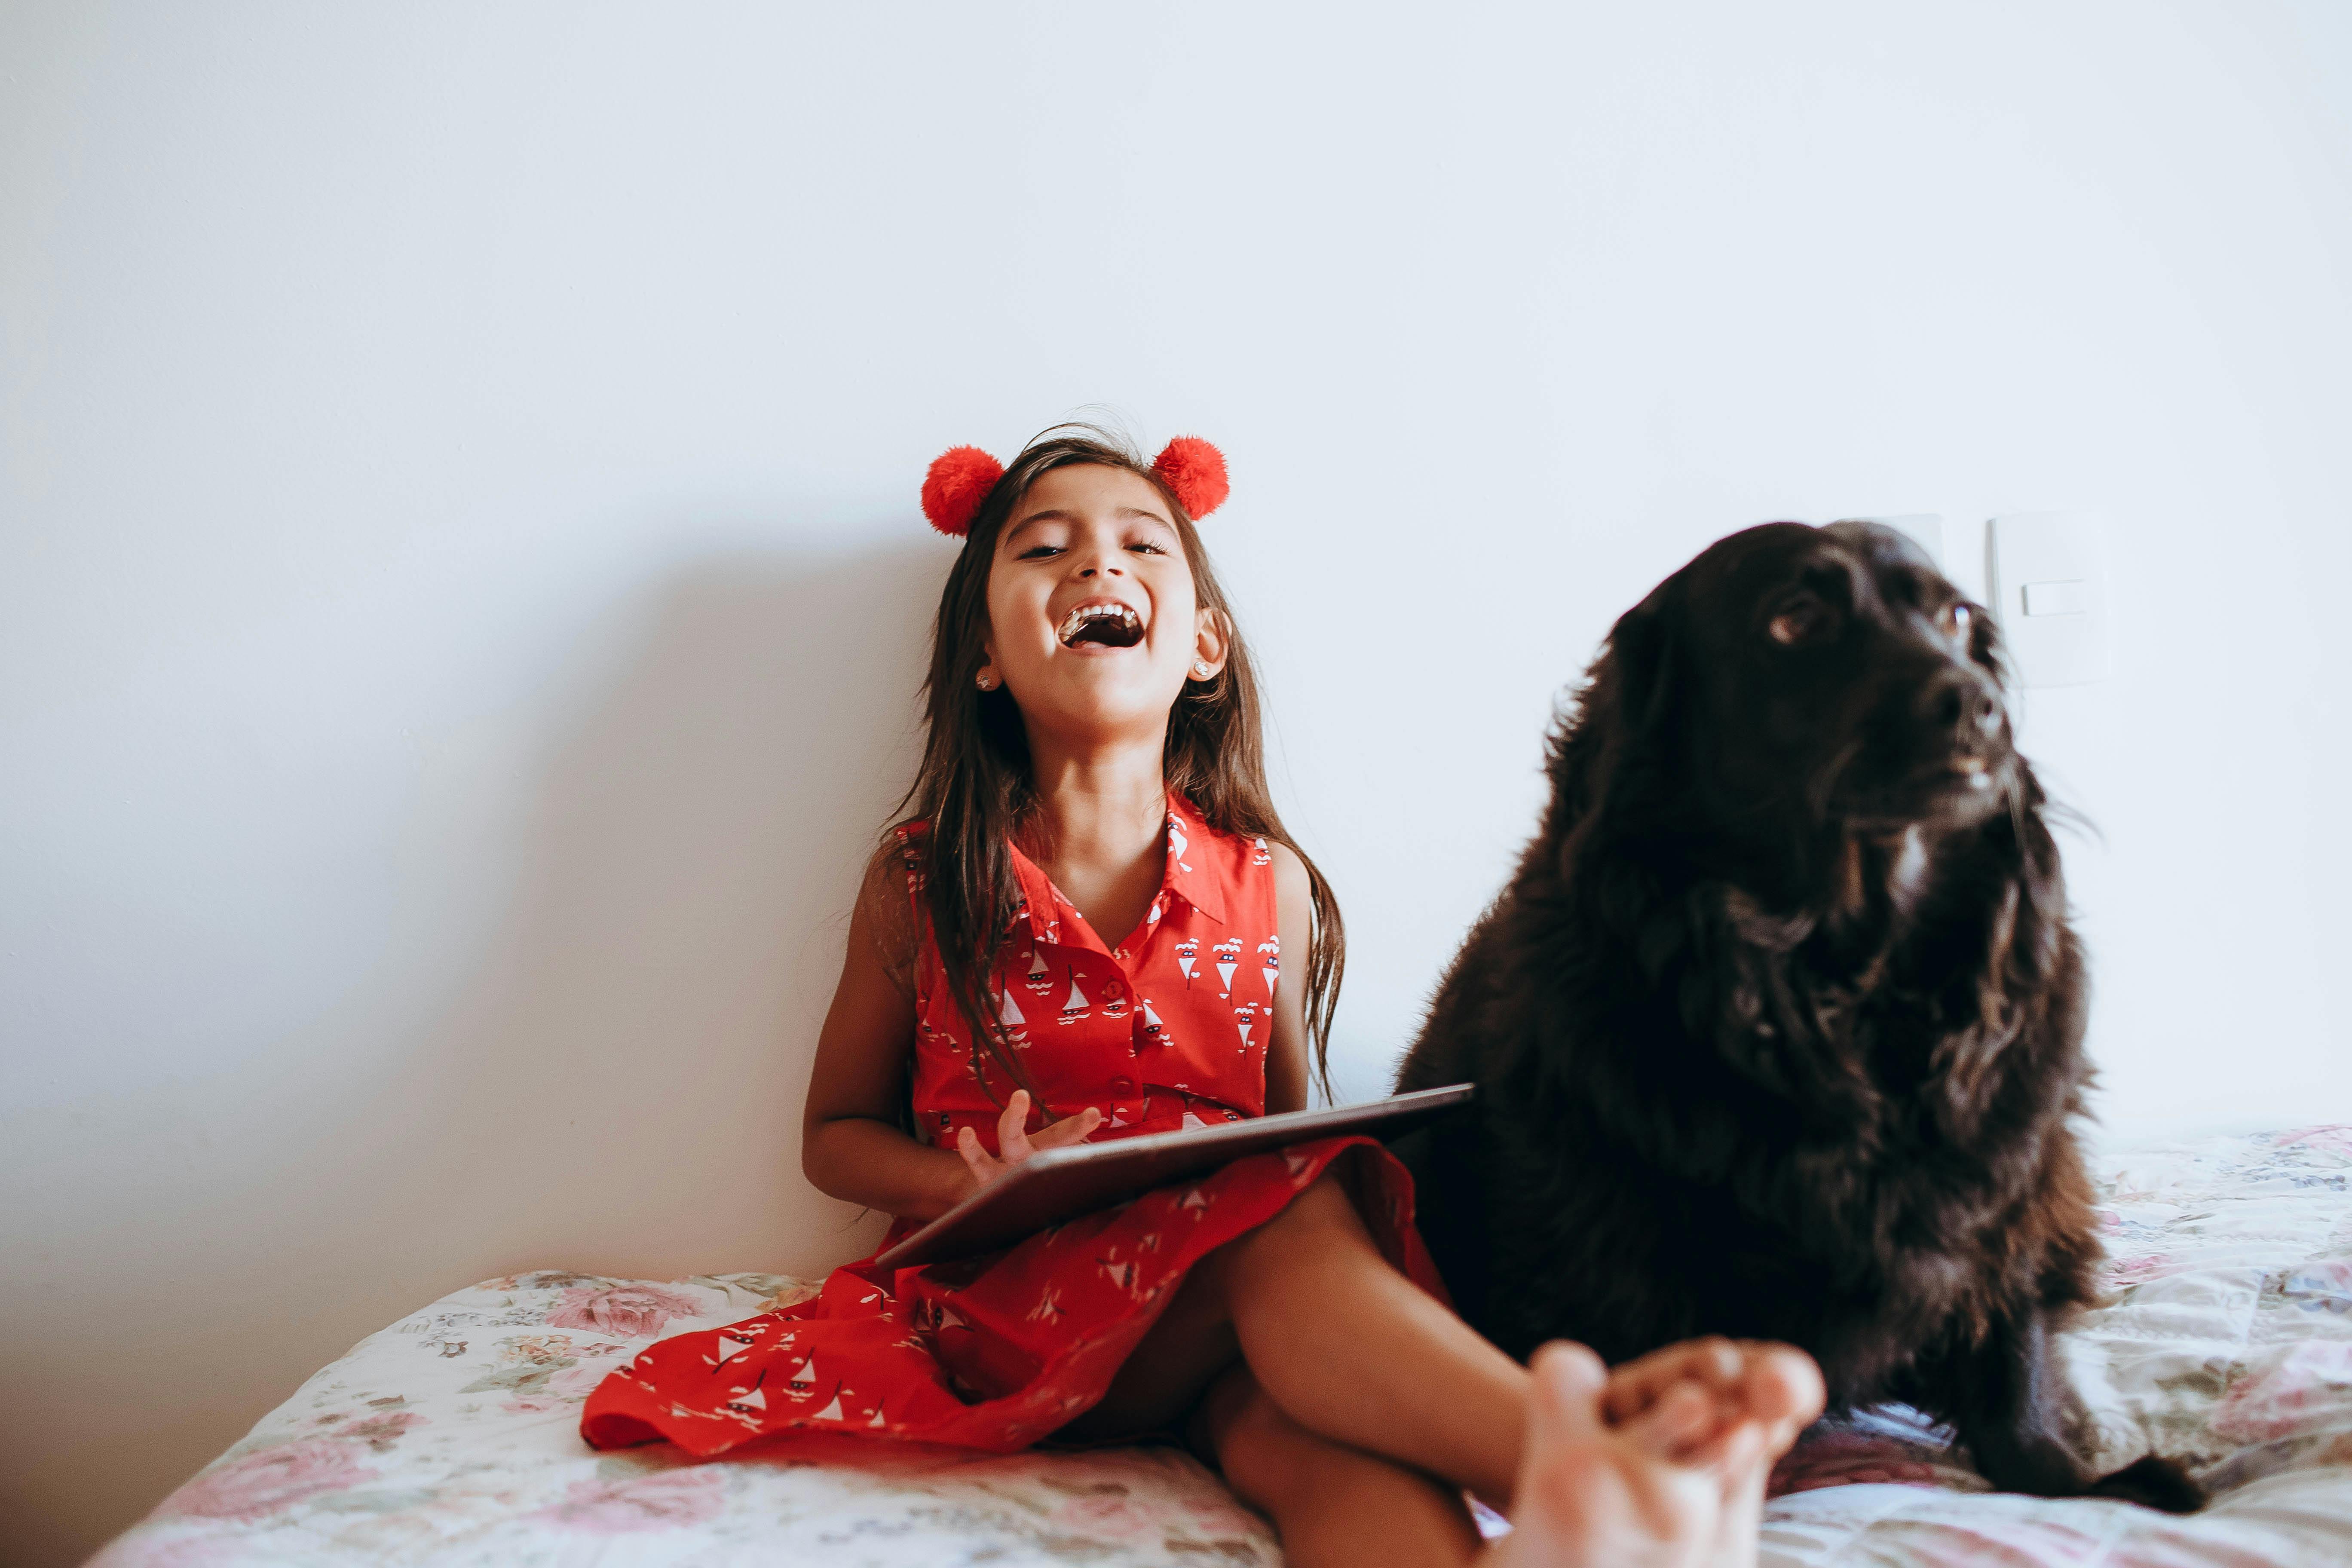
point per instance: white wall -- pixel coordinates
(461, 589)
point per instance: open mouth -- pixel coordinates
(1111, 624)
(1971, 772)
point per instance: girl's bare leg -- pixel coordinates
(1366, 1383)
(1677, 1483)
(1332, 1505)
(1352, 1350)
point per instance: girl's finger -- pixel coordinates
(974, 1156)
(1069, 1130)
(1012, 1128)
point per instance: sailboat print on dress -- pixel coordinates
(1259, 854)
(1228, 954)
(1074, 1006)
(1037, 1334)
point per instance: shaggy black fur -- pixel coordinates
(1778, 1027)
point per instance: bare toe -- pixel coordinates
(1684, 1414)
(1783, 1391)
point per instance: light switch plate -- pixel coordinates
(2047, 572)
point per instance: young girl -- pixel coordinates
(1081, 935)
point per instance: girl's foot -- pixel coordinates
(1675, 1482)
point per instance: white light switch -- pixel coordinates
(2049, 590)
(2071, 597)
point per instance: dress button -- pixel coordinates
(1122, 1086)
(1112, 989)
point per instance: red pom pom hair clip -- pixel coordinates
(1196, 471)
(960, 478)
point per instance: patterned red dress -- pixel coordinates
(1167, 1030)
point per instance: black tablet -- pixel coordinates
(1062, 1184)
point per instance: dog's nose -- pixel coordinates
(1963, 704)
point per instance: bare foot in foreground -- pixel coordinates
(1662, 1466)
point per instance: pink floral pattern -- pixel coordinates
(2334, 1139)
(634, 1311)
(269, 1481)
(2128, 1271)
(2228, 1343)
(2303, 1389)
(666, 1500)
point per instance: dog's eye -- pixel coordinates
(1956, 619)
(1803, 618)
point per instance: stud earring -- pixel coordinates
(1201, 668)
(985, 682)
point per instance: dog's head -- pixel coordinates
(1792, 679)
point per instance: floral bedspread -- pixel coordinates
(451, 1437)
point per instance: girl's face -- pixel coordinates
(1093, 625)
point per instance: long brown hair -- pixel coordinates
(976, 792)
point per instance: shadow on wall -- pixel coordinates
(611, 1084)
(624, 1073)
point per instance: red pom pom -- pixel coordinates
(959, 480)
(1196, 472)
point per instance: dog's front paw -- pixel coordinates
(2155, 1482)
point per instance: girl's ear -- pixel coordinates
(1210, 643)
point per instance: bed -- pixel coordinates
(448, 1439)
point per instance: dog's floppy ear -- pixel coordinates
(1646, 670)
(1987, 649)
(1625, 712)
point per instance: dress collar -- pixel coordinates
(1188, 875)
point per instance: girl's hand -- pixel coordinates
(1015, 1142)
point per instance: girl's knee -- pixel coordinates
(1325, 1207)
(1263, 1452)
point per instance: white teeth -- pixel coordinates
(1078, 617)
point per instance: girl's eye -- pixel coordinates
(1038, 552)
(1146, 547)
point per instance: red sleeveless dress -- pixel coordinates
(1167, 1030)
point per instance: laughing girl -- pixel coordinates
(1094, 926)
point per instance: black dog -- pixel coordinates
(1778, 1027)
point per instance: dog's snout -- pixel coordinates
(1961, 703)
